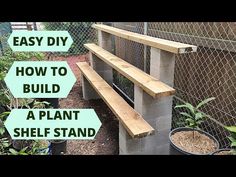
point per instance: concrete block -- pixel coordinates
(88, 91)
(151, 143)
(163, 122)
(105, 40)
(103, 69)
(163, 149)
(162, 65)
(127, 144)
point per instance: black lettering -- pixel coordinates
(31, 41)
(72, 133)
(51, 41)
(46, 88)
(55, 88)
(47, 131)
(15, 41)
(42, 114)
(30, 115)
(57, 116)
(41, 71)
(33, 132)
(63, 131)
(62, 71)
(67, 115)
(57, 132)
(82, 132)
(64, 40)
(91, 132)
(35, 88)
(19, 70)
(76, 114)
(23, 41)
(25, 132)
(16, 132)
(29, 71)
(39, 40)
(26, 88)
(54, 71)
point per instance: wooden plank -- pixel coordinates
(170, 46)
(151, 85)
(136, 126)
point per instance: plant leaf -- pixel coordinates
(232, 139)
(2, 131)
(13, 151)
(204, 102)
(198, 116)
(23, 153)
(188, 106)
(5, 144)
(199, 122)
(4, 114)
(181, 106)
(186, 114)
(190, 120)
(233, 144)
(24, 149)
(231, 128)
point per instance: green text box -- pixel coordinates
(78, 124)
(30, 75)
(44, 41)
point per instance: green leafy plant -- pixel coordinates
(6, 61)
(36, 148)
(4, 144)
(193, 117)
(232, 138)
(21, 152)
(41, 105)
(2, 120)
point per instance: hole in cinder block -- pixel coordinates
(189, 49)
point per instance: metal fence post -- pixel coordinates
(145, 48)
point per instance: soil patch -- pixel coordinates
(200, 144)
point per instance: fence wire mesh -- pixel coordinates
(81, 33)
(210, 72)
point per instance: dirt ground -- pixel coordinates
(106, 141)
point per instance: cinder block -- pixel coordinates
(157, 112)
(162, 65)
(107, 76)
(105, 40)
(103, 69)
(163, 122)
(150, 143)
(99, 64)
(88, 91)
(149, 107)
(163, 149)
(162, 137)
(127, 144)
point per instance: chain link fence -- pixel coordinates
(81, 33)
(210, 72)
